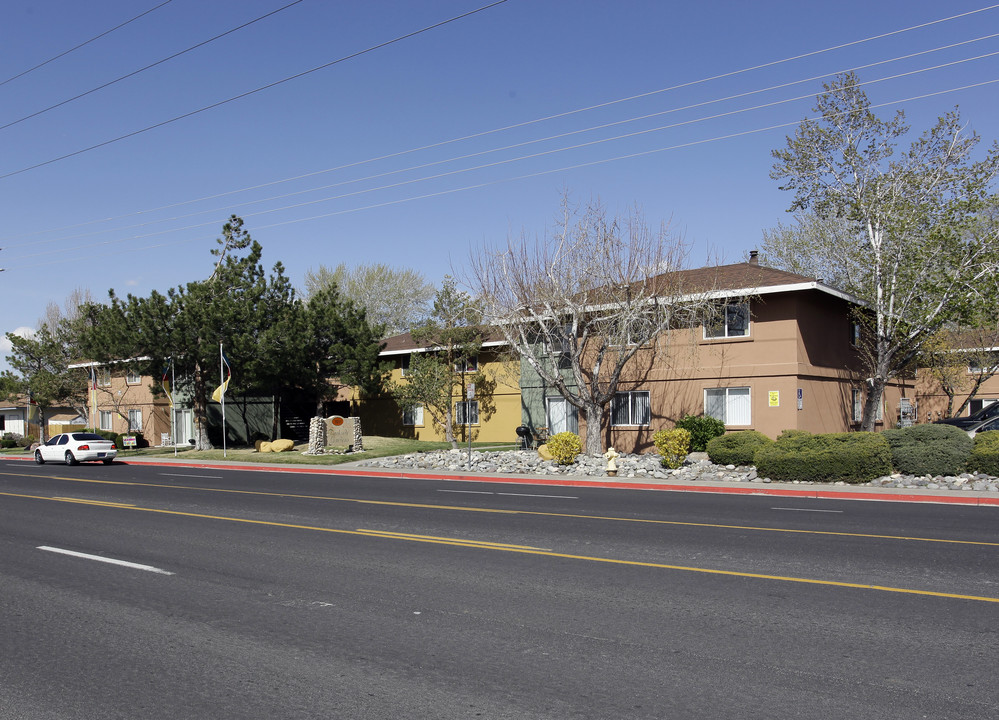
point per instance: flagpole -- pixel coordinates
(173, 407)
(222, 379)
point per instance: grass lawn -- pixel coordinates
(373, 447)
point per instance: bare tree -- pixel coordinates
(579, 303)
(399, 299)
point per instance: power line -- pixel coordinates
(87, 42)
(487, 183)
(148, 67)
(256, 90)
(230, 208)
(524, 123)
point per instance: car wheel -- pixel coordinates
(38, 457)
(70, 459)
(107, 461)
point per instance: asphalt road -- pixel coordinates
(271, 595)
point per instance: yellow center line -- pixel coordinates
(102, 503)
(533, 513)
(535, 551)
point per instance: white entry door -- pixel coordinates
(183, 426)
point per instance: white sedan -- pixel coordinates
(76, 447)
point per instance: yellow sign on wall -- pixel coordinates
(775, 398)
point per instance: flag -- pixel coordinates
(220, 390)
(165, 382)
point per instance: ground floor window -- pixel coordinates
(105, 419)
(979, 403)
(412, 415)
(730, 405)
(858, 407)
(560, 415)
(135, 420)
(631, 408)
(466, 412)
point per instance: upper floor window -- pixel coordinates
(631, 408)
(404, 365)
(855, 333)
(132, 377)
(104, 377)
(467, 365)
(983, 363)
(730, 321)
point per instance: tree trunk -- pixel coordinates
(594, 416)
(201, 441)
(875, 392)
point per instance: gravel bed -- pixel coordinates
(636, 467)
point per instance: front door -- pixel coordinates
(561, 416)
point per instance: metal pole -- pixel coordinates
(173, 406)
(222, 379)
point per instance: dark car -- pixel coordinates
(986, 413)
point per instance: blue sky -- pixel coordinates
(390, 156)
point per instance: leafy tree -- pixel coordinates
(961, 359)
(395, 298)
(452, 336)
(41, 372)
(911, 237)
(578, 304)
(338, 346)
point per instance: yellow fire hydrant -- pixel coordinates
(611, 456)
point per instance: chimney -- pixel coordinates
(754, 257)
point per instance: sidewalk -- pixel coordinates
(812, 491)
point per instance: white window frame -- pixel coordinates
(132, 377)
(461, 410)
(413, 416)
(104, 419)
(467, 365)
(975, 368)
(637, 404)
(730, 396)
(103, 377)
(855, 333)
(857, 401)
(726, 333)
(404, 365)
(135, 419)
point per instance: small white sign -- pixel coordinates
(471, 391)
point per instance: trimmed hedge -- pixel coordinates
(737, 448)
(701, 429)
(985, 454)
(673, 445)
(850, 457)
(929, 449)
(565, 447)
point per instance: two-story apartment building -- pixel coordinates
(783, 356)
(491, 412)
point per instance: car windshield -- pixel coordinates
(86, 436)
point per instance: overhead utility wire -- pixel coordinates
(252, 92)
(520, 177)
(148, 67)
(77, 47)
(488, 183)
(521, 124)
(556, 137)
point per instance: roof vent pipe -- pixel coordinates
(754, 257)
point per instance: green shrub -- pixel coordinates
(787, 434)
(929, 449)
(565, 447)
(701, 429)
(985, 455)
(11, 440)
(673, 445)
(850, 457)
(737, 448)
